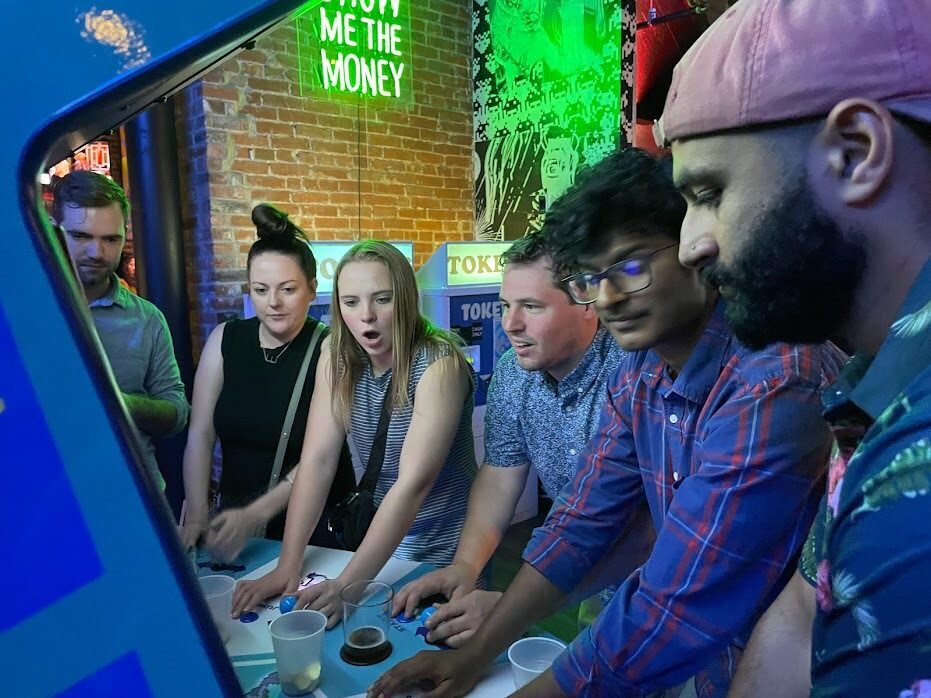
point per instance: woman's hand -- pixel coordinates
(228, 531)
(192, 532)
(251, 592)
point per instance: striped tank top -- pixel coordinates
(434, 535)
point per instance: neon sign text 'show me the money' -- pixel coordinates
(363, 46)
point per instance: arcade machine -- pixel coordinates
(459, 286)
(83, 617)
(328, 254)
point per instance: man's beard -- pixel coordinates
(795, 278)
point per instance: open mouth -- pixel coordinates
(371, 335)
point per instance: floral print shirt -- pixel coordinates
(869, 554)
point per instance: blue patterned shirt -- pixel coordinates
(870, 552)
(531, 418)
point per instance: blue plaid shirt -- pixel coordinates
(729, 456)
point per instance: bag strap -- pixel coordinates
(292, 410)
(377, 453)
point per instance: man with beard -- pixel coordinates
(801, 135)
(92, 211)
(724, 444)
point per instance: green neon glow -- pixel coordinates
(299, 41)
(547, 101)
(357, 48)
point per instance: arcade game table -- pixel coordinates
(250, 646)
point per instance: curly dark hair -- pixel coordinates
(628, 192)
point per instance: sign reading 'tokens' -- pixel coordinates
(363, 47)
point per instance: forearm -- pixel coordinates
(631, 550)
(529, 598)
(305, 506)
(391, 523)
(777, 661)
(491, 508)
(154, 416)
(196, 475)
(272, 503)
(544, 686)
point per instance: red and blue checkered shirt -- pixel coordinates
(730, 456)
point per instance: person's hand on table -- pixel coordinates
(453, 673)
(250, 592)
(191, 533)
(324, 597)
(228, 531)
(456, 621)
(453, 582)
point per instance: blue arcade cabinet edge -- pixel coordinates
(101, 600)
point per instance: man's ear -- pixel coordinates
(855, 148)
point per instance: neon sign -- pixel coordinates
(359, 47)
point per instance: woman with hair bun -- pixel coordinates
(242, 389)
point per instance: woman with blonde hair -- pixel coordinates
(382, 355)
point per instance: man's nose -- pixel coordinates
(609, 294)
(93, 249)
(510, 321)
(698, 246)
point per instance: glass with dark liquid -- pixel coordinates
(366, 620)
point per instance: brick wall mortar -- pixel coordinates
(251, 137)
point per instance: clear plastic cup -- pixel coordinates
(297, 638)
(218, 591)
(532, 656)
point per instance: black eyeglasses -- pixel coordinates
(627, 276)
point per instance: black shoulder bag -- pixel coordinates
(350, 518)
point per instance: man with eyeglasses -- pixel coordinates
(725, 445)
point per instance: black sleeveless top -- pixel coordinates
(249, 416)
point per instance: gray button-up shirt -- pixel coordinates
(138, 345)
(531, 418)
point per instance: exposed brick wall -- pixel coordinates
(251, 137)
